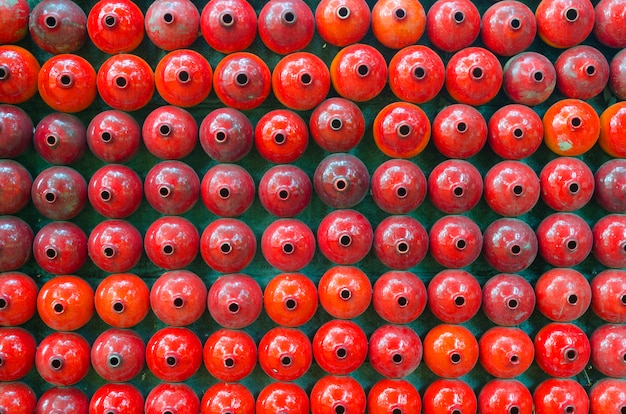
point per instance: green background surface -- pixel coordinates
(258, 218)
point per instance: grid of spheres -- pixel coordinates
(498, 272)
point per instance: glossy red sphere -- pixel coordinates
(450, 351)
(60, 248)
(178, 297)
(170, 132)
(508, 299)
(288, 244)
(512, 188)
(67, 83)
(14, 20)
(397, 24)
(115, 246)
(400, 242)
(449, 395)
(116, 26)
(608, 350)
(515, 132)
(452, 25)
(117, 355)
(286, 26)
(281, 136)
(455, 186)
(301, 81)
(17, 397)
(226, 397)
(172, 24)
(122, 300)
(607, 394)
(16, 184)
(500, 395)
(455, 241)
(228, 25)
(65, 303)
(285, 190)
(565, 239)
(567, 184)
(242, 81)
(561, 349)
(610, 188)
(17, 353)
(393, 394)
(16, 239)
(609, 23)
(609, 241)
(341, 180)
(401, 130)
(230, 355)
(63, 358)
(60, 138)
(338, 393)
(555, 394)
(395, 351)
(345, 236)
(18, 74)
(342, 22)
(18, 298)
(172, 242)
(228, 245)
(115, 191)
(70, 400)
(174, 354)
(172, 187)
(454, 296)
(416, 74)
(17, 130)
(571, 127)
(340, 346)
(345, 292)
(398, 186)
(179, 398)
(529, 78)
(399, 296)
(114, 136)
(337, 125)
(508, 27)
(564, 23)
(290, 299)
(59, 193)
(226, 135)
(459, 131)
(58, 26)
(227, 190)
(612, 120)
(617, 69)
(473, 76)
(285, 354)
(358, 72)
(235, 301)
(506, 352)
(582, 72)
(608, 298)
(510, 245)
(183, 77)
(282, 396)
(125, 82)
(111, 396)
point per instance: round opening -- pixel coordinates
(345, 294)
(51, 253)
(571, 354)
(288, 248)
(229, 362)
(336, 124)
(459, 301)
(3, 303)
(345, 240)
(623, 299)
(401, 192)
(340, 409)
(183, 76)
(66, 80)
(570, 409)
(518, 133)
(280, 138)
(306, 79)
(286, 360)
(171, 360)
(224, 192)
(516, 249)
(52, 140)
(396, 411)
(623, 410)
(121, 82)
(512, 304)
(291, 304)
(459, 16)
(108, 252)
(56, 363)
(419, 72)
(399, 13)
(110, 20)
(514, 410)
(572, 244)
(396, 358)
(514, 359)
(50, 197)
(402, 247)
(168, 249)
(461, 244)
(455, 357)
(461, 127)
(114, 360)
(456, 411)
(518, 190)
(283, 194)
(241, 79)
(105, 195)
(340, 184)
(572, 299)
(341, 353)
(166, 411)
(168, 18)
(289, 17)
(58, 308)
(573, 188)
(178, 302)
(343, 12)
(404, 130)
(538, 76)
(571, 15)
(220, 136)
(233, 307)
(164, 191)
(4, 72)
(50, 22)
(590, 70)
(477, 73)
(515, 23)
(227, 19)
(363, 70)
(402, 301)
(226, 248)
(106, 136)
(165, 129)
(118, 307)
(457, 191)
(576, 122)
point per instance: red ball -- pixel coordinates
(455, 241)
(290, 299)
(235, 301)
(59, 193)
(398, 186)
(501, 395)
(227, 190)
(18, 298)
(608, 350)
(400, 242)
(62, 358)
(571, 127)
(172, 187)
(117, 355)
(16, 184)
(401, 130)
(65, 303)
(228, 25)
(345, 292)
(116, 26)
(60, 248)
(561, 349)
(529, 78)
(301, 81)
(281, 136)
(449, 395)
(610, 185)
(563, 295)
(397, 24)
(609, 240)
(395, 351)
(337, 125)
(17, 353)
(342, 22)
(455, 186)
(511, 188)
(67, 83)
(166, 396)
(225, 397)
(125, 82)
(174, 354)
(114, 136)
(358, 72)
(282, 396)
(170, 132)
(452, 25)
(184, 77)
(399, 296)
(338, 393)
(285, 190)
(608, 298)
(609, 23)
(288, 244)
(286, 26)
(19, 70)
(508, 299)
(616, 75)
(345, 236)
(226, 135)
(510, 245)
(228, 245)
(473, 76)
(607, 394)
(454, 296)
(172, 24)
(285, 354)
(341, 180)
(564, 24)
(508, 27)
(515, 132)
(122, 300)
(60, 138)
(171, 242)
(582, 72)
(567, 184)
(110, 396)
(560, 394)
(565, 239)
(16, 238)
(17, 397)
(115, 191)
(242, 81)
(14, 21)
(340, 346)
(70, 400)
(230, 355)
(115, 246)
(17, 130)
(506, 352)
(450, 351)
(416, 74)
(178, 298)
(397, 394)
(459, 131)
